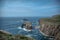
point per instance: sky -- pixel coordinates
(28, 8)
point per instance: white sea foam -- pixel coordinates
(24, 29)
(19, 28)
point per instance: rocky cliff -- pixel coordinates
(8, 36)
(50, 27)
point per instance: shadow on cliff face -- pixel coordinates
(51, 27)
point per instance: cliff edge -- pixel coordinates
(50, 27)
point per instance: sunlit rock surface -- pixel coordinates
(50, 27)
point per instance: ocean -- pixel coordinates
(12, 24)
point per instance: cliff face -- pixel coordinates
(51, 27)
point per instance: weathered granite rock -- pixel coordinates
(51, 27)
(27, 25)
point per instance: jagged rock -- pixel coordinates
(27, 25)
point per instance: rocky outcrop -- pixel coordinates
(7, 36)
(27, 25)
(50, 27)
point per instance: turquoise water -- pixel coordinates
(11, 25)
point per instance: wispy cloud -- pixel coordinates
(28, 8)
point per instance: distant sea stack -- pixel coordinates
(50, 27)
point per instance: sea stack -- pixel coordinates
(50, 27)
(27, 25)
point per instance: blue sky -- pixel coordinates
(28, 8)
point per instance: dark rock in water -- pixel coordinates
(25, 19)
(23, 25)
(27, 25)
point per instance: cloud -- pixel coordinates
(28, 8)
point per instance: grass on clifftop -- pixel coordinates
(55, 18)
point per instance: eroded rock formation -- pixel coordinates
(51, 27)
(27, 25)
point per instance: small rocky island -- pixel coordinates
(27, 25)
(50, 27)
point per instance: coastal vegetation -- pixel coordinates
(7, 36)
